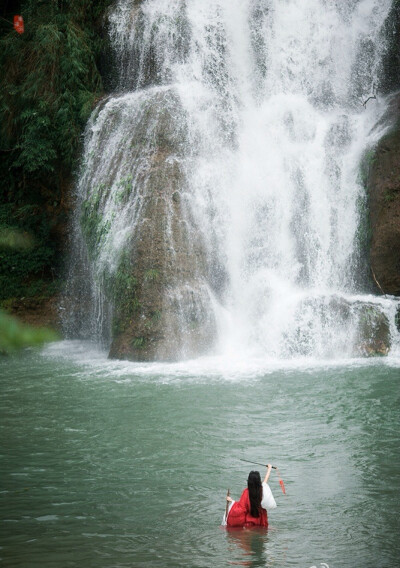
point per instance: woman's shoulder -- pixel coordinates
(268, 501)
(245, 495)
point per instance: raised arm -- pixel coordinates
(269, 468)
(268, 501)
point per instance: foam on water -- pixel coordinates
(92, 363)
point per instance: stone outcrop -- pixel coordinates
(373, 334)
(384, 207)
(162, 300)
(360, 328)
(164, 314)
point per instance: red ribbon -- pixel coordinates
(281, 482)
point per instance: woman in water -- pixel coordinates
(251, 509)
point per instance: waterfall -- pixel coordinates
(245, 117)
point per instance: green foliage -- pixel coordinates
(94, 226)
(124, 283)
(156, 316)
(139, 342)
(153, 321)
(151, 275)
(390, 195)
(121, 289)
(50, 82)
(14, 239)
(367, 161)
(15, 335)
(124, 189)
(24, 260)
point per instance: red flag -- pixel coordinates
(19, 24)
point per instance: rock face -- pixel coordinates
(372, 330)
(164, 312)
(384, 206)
(160, 293)
(147, 277)
(374, 338)
(389, 79)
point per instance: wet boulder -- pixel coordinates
(328, 326)
(373, 333)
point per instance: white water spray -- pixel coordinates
(270, 101)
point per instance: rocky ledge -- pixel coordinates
(384, 207)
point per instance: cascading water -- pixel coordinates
(245, 118)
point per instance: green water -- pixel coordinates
(115, 465)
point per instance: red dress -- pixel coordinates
(240, 516)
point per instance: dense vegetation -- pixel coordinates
(51, 79)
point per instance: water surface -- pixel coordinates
(111, 464)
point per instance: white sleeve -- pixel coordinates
(268, 501)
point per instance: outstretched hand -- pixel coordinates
(269, 469)
(229, 499)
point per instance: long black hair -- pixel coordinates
(255, 492)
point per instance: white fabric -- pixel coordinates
(267, 501)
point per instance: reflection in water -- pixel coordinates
(252, 545)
